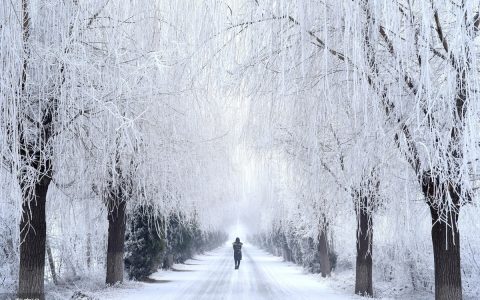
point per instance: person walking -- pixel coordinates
(237, 252)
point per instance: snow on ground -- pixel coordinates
(212, 276)
(261, 276)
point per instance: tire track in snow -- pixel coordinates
(213, 286)
(264, 287)
(274, 289)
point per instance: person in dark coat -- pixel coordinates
(237, 252)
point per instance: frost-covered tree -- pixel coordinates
(39, 104)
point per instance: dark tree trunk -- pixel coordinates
(363, 277)
(446, 254)
(323, 251)
(116, 242)
(33, 232)
(445, 238)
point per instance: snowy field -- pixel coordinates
(212, 276)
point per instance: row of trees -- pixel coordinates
(363, 102)
(99, 117)
(316, 256)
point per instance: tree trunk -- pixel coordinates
(116, 242)
(51, 264)
(446, 253)
(323, 251)
(89, 251)
(287, 254)
(33, 232)
(445, 237)
(363, 278)
(169, 261)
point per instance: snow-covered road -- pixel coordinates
(212, 276)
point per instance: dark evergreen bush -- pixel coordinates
(185, 239)
(145, 248)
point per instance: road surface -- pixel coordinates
(212, 276)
